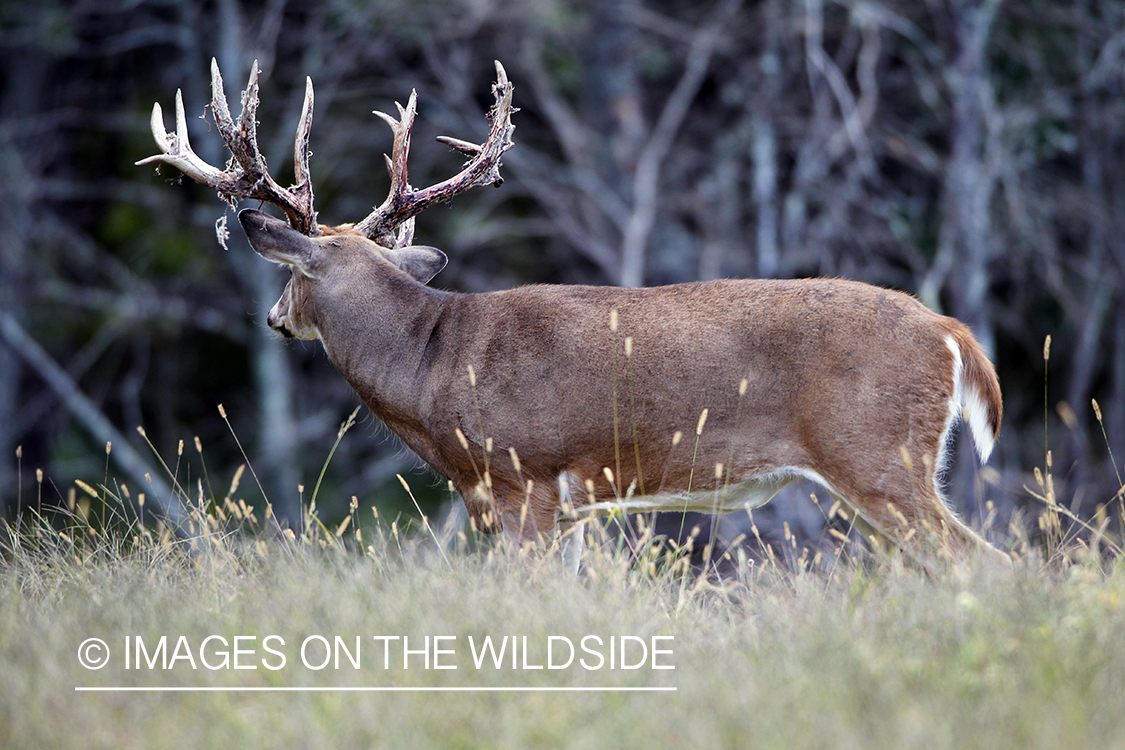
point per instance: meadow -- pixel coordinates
(852, 650)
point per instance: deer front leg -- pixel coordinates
(572, 539)
(540, 513)
(572, 532)
(520, 526)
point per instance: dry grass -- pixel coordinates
(869, 655)
(798, 651)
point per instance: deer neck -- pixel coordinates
(379, 342)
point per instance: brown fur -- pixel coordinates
(845, 381)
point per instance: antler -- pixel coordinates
(246, 175)
(404, 203)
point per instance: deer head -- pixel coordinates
(322, 266)
(311, 250)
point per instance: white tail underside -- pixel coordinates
(968, 403)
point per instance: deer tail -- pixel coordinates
(976, 389)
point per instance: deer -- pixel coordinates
(544, 405)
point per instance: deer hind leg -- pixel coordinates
(865, 529)
(912, 514)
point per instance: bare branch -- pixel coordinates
(855, 117)
(646, 178)
(163, 498)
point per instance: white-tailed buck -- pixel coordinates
(541, 401)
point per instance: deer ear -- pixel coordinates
(275, 240)
(420, 261)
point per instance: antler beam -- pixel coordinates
(246, 176)
(404, 203)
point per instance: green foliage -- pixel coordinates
(48, 25)
(150, 249)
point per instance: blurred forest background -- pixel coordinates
(969, 152)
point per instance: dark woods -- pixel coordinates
(970, 153)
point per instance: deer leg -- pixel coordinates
(520, 526)
(532, 516)
(958, 541)
(868, 531)
(572, 532)
(572, 540)
(923, 526)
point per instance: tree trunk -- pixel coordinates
(963, 245)
(17, 197)
(764, 148)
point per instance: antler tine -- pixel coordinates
(405, 236)
(457, 144)
(483, 168)
(400, 182)
(219, 109)
(243, 143)
(176, 149)
(396, 167)
(301, 147)
(247, 175)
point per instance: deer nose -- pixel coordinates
(273, 320)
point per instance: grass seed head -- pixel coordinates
(702, 421)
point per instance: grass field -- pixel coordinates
(845, 655)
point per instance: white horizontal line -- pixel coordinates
(379, 689)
